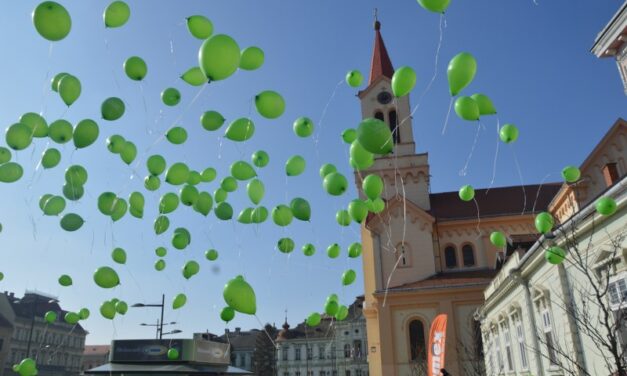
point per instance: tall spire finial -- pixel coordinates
(377, 24)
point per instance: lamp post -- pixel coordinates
(158, 325)
(175, 331)
(162, 306)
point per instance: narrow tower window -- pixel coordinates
(379, 115)
(396, 134)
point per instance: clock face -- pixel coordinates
(384, 97)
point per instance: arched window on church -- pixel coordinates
(450, 257)
(468, 255)
(404, 255)
(417, 341)
(396, 134)
(379, 115)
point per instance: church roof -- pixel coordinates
(381, 64)
(448, 280)
(494, 202)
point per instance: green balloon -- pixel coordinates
(190, 269)
(107, 310)
(220, 195)
(71, 222)
(331, 307)
(282, 215)
(106, 202)
(5, 155)
(84, 313)
(119, 210)
(303, 127)
(286, 245)
(116, 14)
(213, 120)
(1, 276)
(152, 183)
(571, 174)
(27, 367)
(121, 307)
(194, 178)
(227, 314)
(349, 135)
(204, 203)
(498, 239)
(354, 78)
(295, 165)
(372, 186)
(65, 280)
(85, 133)
(461, 71)
(219, 57)
(170, 96)
(606, 206)
(76, 174)
(224, 211)
(241, 170)
(486, 107)
(37, 124)
(129, 152)
(176, 135)
(43, 199)
(360, 158)
(168, 203)
(251, 58)
(240, 130)
(177, 174)
(229, 184)
(375, 136)
(343, 218)
(309, 249)
(161, 251)
(136, 201)
(211, 255)
(60, 131)
(260, 214)
(112, 108)
(54, 83)
(69, 89)
(161, 225)
(181, 238)
(19, 136)
(245, 216)
(256, 190)
(10, 172)
(52, 205)
(208, 175)
(327, 169)
(403, 81)
(554, 255)
(358, 210)
(466, 193)
(348, 277)
(313, 319)
(106, 277)
(301, 209)
(178, 302)
(156, 164)
(508, 133)
(194, 77)
(544, 222)
(199, 26)
(335, 184)
(72, 318)
(73, 191)
(159, 265)
(189, 195)
(50, 317)
(173, 354)
(52, 21)
(436, 6)
(354, 250)
(116, 143)
(135, 68)
(240, 296)
(270, 104)
(260, 158)
(119, 255)
(467, 109)
(333, 251)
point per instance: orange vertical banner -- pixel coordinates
(437, 345)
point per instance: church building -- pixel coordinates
(427, 253)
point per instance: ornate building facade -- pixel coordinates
(612, 42)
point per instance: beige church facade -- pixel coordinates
(427, 253)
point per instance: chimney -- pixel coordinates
(610, 174)
(226, 331)
(237, 330)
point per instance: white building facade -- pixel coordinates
(612, 42)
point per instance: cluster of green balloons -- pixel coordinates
(473, 107)
(110, 308)
(126, 149)
(111, 205)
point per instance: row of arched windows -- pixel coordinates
(450, 256)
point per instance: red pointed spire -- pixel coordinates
(381, 63)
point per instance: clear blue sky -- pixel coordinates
(534, 61)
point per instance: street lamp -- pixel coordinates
(158, 325)
(162, 305)
(175, 331)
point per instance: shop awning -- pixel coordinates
(165, 369)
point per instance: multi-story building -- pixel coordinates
(94, 356)
(611, 42)
(57, 348)
(333, 348)
(7, 320)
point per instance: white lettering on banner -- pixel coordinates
(437, 350)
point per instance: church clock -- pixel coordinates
(384, 97)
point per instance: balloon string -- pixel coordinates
(448, 115)
(474, 199)
(533, 208)
(464, 170)
(522, 184)
(322, 116)
(141, 89)
(496, 154)
(387, 285)
(265, 331)
(44, 92)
